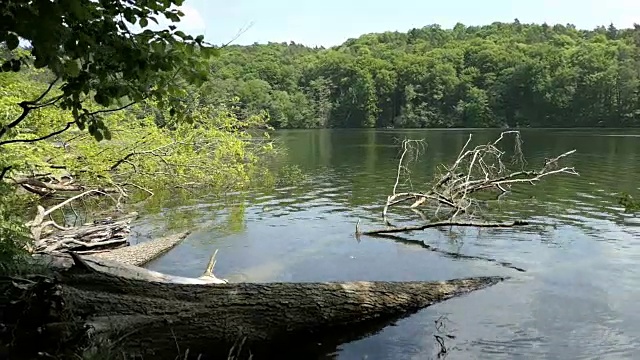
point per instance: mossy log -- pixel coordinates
(152, 319)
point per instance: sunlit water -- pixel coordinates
(577, 299)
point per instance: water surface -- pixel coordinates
(577, 298)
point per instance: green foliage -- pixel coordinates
(88, 47)
(503, 74)
(213, 149)
(85, 75)
(13, 234)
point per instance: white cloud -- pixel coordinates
(191, 23)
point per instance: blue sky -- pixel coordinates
(331, 22)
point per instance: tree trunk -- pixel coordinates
(154, 319)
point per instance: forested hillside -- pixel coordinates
(490, 76)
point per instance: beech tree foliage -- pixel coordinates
(86, 102)
(92, 54)
(502, 74)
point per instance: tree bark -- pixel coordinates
(153, 319)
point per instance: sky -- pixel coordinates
(331, 22)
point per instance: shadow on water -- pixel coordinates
(577, 298)
(326, 344)
(451, 254)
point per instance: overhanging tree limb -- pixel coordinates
(103, 111)
(5, 170)
(57, 132)
(27, 106)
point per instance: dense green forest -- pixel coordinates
(503, 74)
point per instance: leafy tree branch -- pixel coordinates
(45, 137)
(27, 106)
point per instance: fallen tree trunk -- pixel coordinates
(152, 318)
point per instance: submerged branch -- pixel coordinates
(391, 230)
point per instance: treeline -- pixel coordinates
(497, 75)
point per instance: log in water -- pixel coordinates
(159, 315)
(145, 252)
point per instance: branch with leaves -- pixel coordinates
(28, 106)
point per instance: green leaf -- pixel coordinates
(12, 41)
(98, 136)
(199, 39)
(129, 16)
(6, 66)
(172, 16)
(107, 134)
(39, 62)
(72, 68)
(144, 22)
(101, 99)
(15, 65)
(158, 46)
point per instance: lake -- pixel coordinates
(577, 299)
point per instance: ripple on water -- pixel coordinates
(576, 300)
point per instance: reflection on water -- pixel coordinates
(576, 299)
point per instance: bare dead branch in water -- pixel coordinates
(394, 229)
(408, 146)
(475, 171)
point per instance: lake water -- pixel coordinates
(577, 299)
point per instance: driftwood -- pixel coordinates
(49, 236)
(145, 252)
(152, 318)
(119, 269)
(99, 235)
(454, 194)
